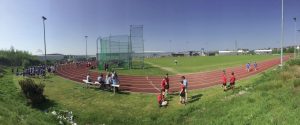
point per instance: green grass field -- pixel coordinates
(163, 65)
(148, 70)
(203, 63)
(267, 98)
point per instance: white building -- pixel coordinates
(238, 52)
(148, 54)
(225, 52)
(260, 52)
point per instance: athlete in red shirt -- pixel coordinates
(232, 80)
(167, 85)
(163, 84)
(224, 80)
(161, 99)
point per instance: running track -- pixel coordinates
(151, 84)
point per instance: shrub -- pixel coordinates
(32, 91)
(286, 76)
(269, 86)
(296, 82)
(2, 71)
(294, 62)
(25, 63)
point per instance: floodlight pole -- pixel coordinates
(296, 43)
(44, 18)
(295, 36)
(97, 52)
(282, 34)
(187, 46)
(170, 44)
(86, 47)
(236, 50)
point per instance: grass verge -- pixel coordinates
(272, 97)
(13, 106)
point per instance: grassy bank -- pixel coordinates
(13, 106)
(268, 98)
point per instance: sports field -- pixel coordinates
(163, 65)
(204, 63)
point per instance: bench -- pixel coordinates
(115, 86)
(86, 82)
(96, 83)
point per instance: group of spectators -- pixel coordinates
(35, 70)
(88, 64)
(78, 63)
(111, 78)
(165, 86)
(82, 64)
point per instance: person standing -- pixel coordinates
(106, 67)
(248, 67)
(163, 85)
(232, 81)
(255, 66)
(224, 80)
(182, 93)
(167, 85)
(175, 62)
(185, 83)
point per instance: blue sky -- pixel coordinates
(189, 24)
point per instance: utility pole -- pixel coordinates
(295, 36)
(97, 50)
(236, 47)
(44, 18)
(170, 44)
(86, 48)
(282, 35)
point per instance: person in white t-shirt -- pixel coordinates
(88, 78)
(108, 80)
(185, 83)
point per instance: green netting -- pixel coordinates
(123, 51)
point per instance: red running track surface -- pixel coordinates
(151, 84)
